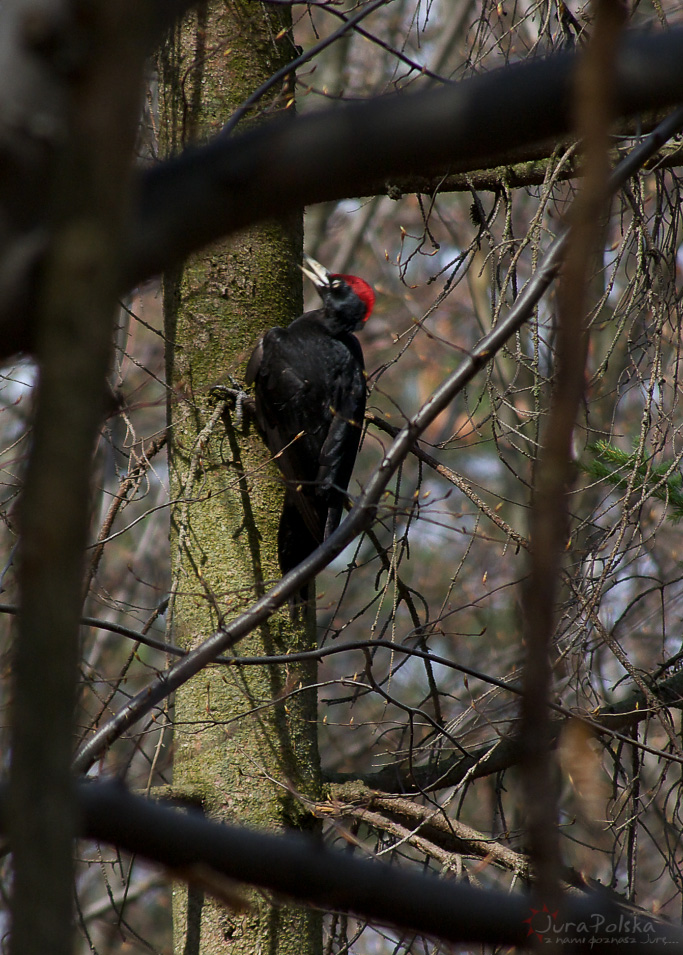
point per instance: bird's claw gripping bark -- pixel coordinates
(236, 397)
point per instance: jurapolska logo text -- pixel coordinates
(595, 929)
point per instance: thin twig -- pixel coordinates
(128, 484)
(364, 510)
(294, 65)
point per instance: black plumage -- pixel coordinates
(309, 382)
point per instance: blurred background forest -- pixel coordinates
(444, 566)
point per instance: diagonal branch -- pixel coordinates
(365, 508)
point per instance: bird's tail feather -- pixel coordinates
(295, 543)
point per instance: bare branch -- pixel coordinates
(128, 484)
(595, 97)
(304, 871)
(209, 192)
(365, 507)
(85, 193)
(363, 148)
(292, 67)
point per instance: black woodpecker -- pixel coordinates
(309, 382)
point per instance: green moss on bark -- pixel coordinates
(245, 738)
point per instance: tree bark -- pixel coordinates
(245, 741)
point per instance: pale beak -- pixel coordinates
(316, 272)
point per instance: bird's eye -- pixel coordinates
(336, 283)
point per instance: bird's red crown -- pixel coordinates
(364, 291)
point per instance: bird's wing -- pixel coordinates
(338, 453)
(290, 423)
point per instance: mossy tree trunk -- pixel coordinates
(245, 738)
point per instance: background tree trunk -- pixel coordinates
(245, 739)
